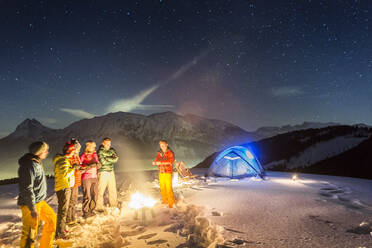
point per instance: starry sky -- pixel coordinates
(252, 63)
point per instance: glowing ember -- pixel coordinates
(294, 177)
(138, 201)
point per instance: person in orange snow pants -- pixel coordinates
(31, 199)
(164, 160)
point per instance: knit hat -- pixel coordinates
(38, 147)
(68, 148)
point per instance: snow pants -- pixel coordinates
(106, 179)
(30, 226)
(90, 194)
(71, 212)
(165, 182)
(63, 197)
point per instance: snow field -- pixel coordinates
(312, 211)
(182, 226)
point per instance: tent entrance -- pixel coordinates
(236, 162)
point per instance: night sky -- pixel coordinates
(252, 63)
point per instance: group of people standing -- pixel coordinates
(92, 170)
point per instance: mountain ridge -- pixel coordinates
(192, 137)
(134, 136)
(269, 131)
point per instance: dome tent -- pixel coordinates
(236, 162)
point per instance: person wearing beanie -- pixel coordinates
(31, 200)
(64, 180)
(75, 162)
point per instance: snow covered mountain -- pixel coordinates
(193, 138)
(273, 131)
(26, 132)
(30, 128)
(134, 136)
(304, 148)
(315, 150)
(356, 162)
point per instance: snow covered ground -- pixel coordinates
(313, 211)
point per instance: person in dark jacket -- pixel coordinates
(31, 200)
(106, 176)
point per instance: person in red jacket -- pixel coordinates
(75, 161)
(164, 160)
(89, 164)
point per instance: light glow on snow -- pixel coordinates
(138, 201)
(288, 182)
(294, 180)
(294, 177)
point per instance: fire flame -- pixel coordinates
(294, 177)
(138, 201)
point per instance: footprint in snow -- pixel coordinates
(139, 230)
(216, 213)
(157, 242)
(234, 231)
(237, 242)
(341, 195)
(363, 228)
(328, 188)
(147, 236)
(174, 227)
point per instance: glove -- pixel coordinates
(34, 214)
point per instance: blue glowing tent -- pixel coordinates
(236, 162)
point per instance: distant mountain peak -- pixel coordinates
(28, 123)
(30, 128)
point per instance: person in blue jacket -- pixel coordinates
(31, 200)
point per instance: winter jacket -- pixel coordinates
(32, 181)
(63, 173)
(167, 160)
(76, 161)
(87, 159)
(107, 158)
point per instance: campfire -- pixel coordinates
(138, 201)
(142, 203)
